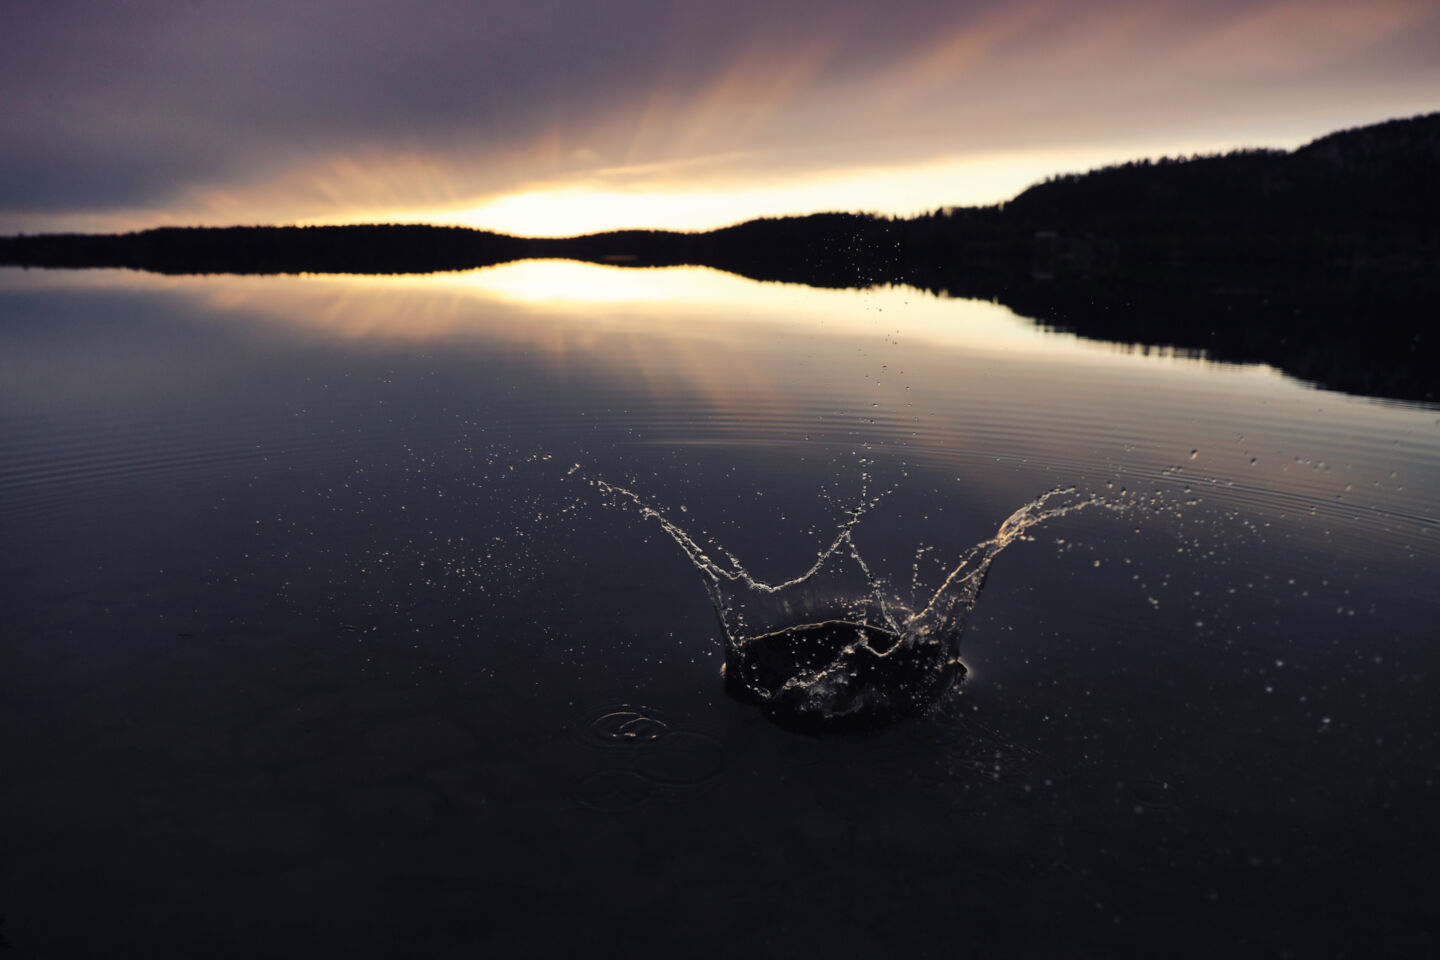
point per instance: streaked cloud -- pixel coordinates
(127, 115)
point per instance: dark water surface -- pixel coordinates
(320, 637)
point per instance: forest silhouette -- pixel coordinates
(1323, 261)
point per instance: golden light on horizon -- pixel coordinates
(662, 197)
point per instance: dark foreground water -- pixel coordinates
(328, 631)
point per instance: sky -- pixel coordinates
(554, 117)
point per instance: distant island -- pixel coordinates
(1323, 261)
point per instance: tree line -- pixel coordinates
(1323, 260)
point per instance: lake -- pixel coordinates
(347, 616)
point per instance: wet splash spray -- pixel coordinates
(835, 648)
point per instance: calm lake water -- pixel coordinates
(326, 633)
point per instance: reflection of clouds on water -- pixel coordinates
(694, 356)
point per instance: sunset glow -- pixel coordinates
(545, 120)
(594, 204)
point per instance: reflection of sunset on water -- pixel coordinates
(586, 300)
(773, 363)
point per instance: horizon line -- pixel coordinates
(453, 221)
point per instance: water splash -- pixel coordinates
(836, 647)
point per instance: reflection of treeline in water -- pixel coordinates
(1319, 260)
